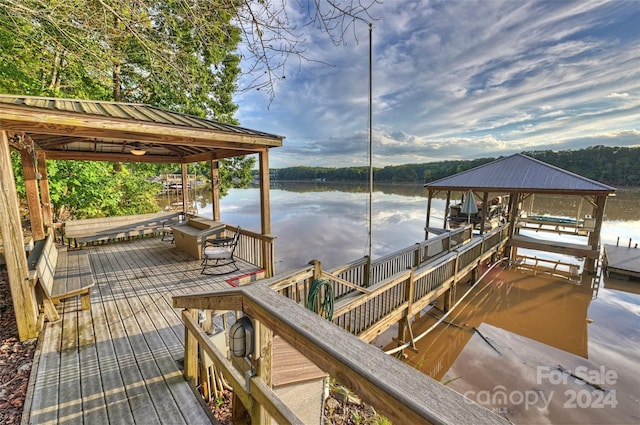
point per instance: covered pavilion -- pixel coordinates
(520, 177)
(43, 128)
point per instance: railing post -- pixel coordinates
(190, 351)
(410, 293)
(448, 297)
(367, 273)
(262, 365)
(317, 269)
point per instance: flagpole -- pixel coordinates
(370, 140)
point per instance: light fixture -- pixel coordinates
(137, 150)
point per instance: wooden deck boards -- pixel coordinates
(522, 241)
(622, 260)
(119, 361)
(290, 366)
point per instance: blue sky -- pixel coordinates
(460, 80)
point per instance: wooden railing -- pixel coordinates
(394, 389)
(371, 311)
(403, 283)
(255, 249)
(248, 390)
(362, 274)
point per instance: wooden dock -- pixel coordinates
(522, 241)
(622, 261)
(120, 361)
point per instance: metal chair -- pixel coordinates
(219, 253)
(167, 228)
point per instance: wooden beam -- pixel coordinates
(263, 365)
(446, 209)
(428, 220)
(229, 299)
(485, 211)
(83, 125)
(32, 193)
(22, 294)
(114, 157)
(265, 211)
(190, 350)
(185, 189)
(215, 189)
(45, 195)
(265, 202)
(594, 236)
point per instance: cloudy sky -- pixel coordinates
(460, 80)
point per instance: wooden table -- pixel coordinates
(190, 236)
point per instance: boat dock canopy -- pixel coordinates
(519, 173)
(521, 177)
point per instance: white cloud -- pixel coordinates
(462, 79)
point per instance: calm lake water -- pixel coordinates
(533, 349)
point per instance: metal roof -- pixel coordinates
(520, 173)
(99, 130)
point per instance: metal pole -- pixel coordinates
(370, 140)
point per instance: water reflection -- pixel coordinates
(329, 224)
(518, 335)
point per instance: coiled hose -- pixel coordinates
(323, 307)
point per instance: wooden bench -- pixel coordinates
(110, 228)
(59, 274)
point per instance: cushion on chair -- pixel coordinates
(214, 252)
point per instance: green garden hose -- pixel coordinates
(323, 307)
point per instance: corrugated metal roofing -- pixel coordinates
(520, 173)
(108, 131)
(128, 111)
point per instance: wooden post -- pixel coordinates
(22, 294)
(45, 195)
(262, 364)
(514, 199)
(446, 209)
(33, 197)
(427, 223)
(594, 237)
(265, 211)
(191, 352)
(449, 295)
(317, 269)
(215, 189)
(265, 202)
(185, 192)
(579, 213)
(485, 211)
(410, 294)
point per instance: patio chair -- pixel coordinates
(167, 233)
(167, 229)
(219, 253)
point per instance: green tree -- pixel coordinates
(179, 55)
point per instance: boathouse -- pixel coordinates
(522, 177)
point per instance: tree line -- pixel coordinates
(183, 56)
(617, 166)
